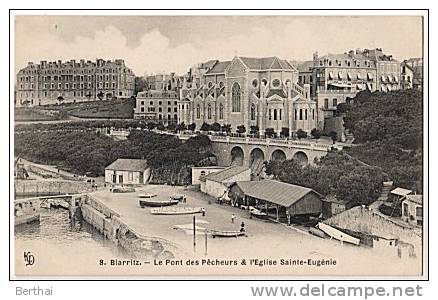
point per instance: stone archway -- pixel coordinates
(237, 156)
(301, 157)
(278, 155)
(256, 159)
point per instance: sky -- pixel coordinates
(155, 44)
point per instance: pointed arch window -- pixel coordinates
(209, 111)
(198, 111)
(235, 97)
(221, 111)
(253, 112)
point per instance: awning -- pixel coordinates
(340, 76)
(383, 79)
(349, 76)
(360, 86)
(395, 78)
(359, 76)
(341, 85)
(370, 76)
(330, 75)
(389, 88)
(383, 88)
(369, 86)
(389, 78)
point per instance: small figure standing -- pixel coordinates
(242, 227)
(232, 218)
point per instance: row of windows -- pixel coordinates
(348, 63)
(301, 114)
(334, 103)
(151, 102)
(160, 109)
(209, 112)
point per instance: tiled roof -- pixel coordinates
(305, 66)
(401, 191)
(127, 164)
(415, 198)
(225, 173)
(278, 92)
(277, 192)
(219, 67)
(266, 63)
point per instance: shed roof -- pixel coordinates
(401, 191)
(415, 198)
(225, 174)
(128, 164)
(273, 191)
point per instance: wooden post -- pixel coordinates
(277, 213)
(194, 233)
(205, 242)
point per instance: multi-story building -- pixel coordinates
(412, 74)
(337, 78)
(246, 91)
(157, 106)
(163, 82)
(72, 81)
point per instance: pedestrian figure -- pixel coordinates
(242, 227)
(232, 218)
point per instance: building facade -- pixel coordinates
(157, 106)
(73, 81)
(337, 78)
(260, 92)
(128, 171)
(412, 73)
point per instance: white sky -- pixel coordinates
(173, 44)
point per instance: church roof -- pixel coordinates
(266, 63)
(219, 67)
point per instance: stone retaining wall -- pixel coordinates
(50, 187)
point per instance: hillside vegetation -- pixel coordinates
(388, 130)
(87, 151)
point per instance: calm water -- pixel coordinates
(55, 230)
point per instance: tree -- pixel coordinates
(215, 127)
(205, 127)
(160, 126)
(100, 95)
(171, 126)
(181, 127)
(241, 129)
(60, 99)
(301, 134)
(285, 132)
(316, 133)
(191, 127)
(334, 136)
(254, 129)
(226, 128)
(151, 125)
(269, 132)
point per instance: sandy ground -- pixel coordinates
(266, 241)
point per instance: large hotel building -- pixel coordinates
(73, 81)
(337, 78)
(247, 91)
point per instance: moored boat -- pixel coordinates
(26, 218)
(156, 202)
(227, 233)
(177, 210)
(337, 234)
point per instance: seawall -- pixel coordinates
(110, 225)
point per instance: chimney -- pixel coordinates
(82, 63)
(315, 56)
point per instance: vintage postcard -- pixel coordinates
(219, 145)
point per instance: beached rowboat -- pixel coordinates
(156, 203)
(337, 234)
(226, 233)
(177, 210)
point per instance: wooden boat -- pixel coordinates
(227, 233)
(147, 196)
(177, 210)
(337, 234)
(257, 213)
(156, 202)
(178, 197)
(26, 218)
(122, 189)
